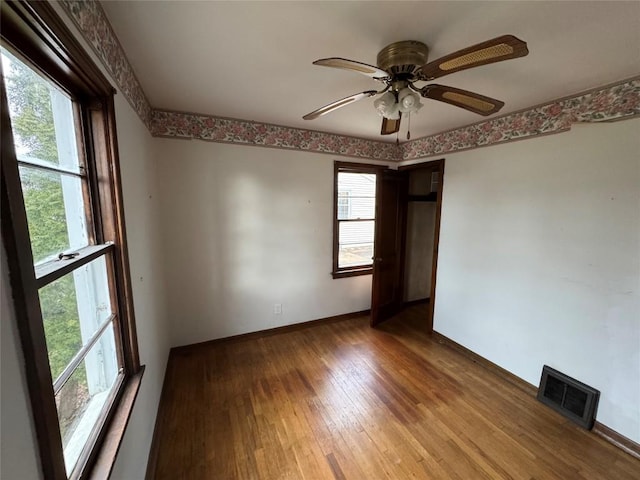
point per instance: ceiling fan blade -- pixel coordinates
(473, 102)
(363, 68)
(338, 104)
(498, 49)
(390, 126)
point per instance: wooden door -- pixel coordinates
(388, 272)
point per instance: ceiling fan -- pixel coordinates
(403, 64)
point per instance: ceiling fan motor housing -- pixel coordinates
(402, 58)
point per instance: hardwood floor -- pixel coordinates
(346, 401)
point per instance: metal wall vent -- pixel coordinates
(573, 399)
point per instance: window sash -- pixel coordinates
(347, 220)
(44, 165)
(355, 244)
(52, 270)
(51, 162)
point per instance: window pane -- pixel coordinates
(55, 212)
(73, 307)
(81, 399)
(355, 255)
(357, 184)
(42, 117)
(355, 243)
(352, 208)
(356, 195)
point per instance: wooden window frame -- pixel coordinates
(35, 31)
(351, 167)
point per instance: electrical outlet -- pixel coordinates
(277, 308)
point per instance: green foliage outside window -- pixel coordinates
(34, 135)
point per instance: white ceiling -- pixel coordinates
(253, 60)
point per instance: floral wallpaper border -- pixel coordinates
(228, 130)
(94, 26)
(613, 102)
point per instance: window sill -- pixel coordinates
(108, 451)
(352, 273)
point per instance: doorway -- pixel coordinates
(406, 240)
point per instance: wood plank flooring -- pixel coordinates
(344, 401)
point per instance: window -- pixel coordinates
(355, 213)
(63, 229)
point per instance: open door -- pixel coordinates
(422, 188)
(388, 262)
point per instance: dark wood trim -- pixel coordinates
(403, 221)
(359, 167)
(421, 165)
(117, 425)
(475, 358)
(46, 41)
(271, 331)
(88, 455)
(352, 273)
(24, 292)
(158, 428)
(620, 441)
(608, 434)
(113, 204)
(336, 241)
(436, 242)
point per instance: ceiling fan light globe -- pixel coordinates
(386, 106)
(393, 113)
(409, 102)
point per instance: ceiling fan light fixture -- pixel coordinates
(408, 101)
(387, 106)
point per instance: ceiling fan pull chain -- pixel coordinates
(409, 127)
(398, 139)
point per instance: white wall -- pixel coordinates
(247, 228)
(142, 215)
(18, 448)
(539, 260)
(421, 223)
